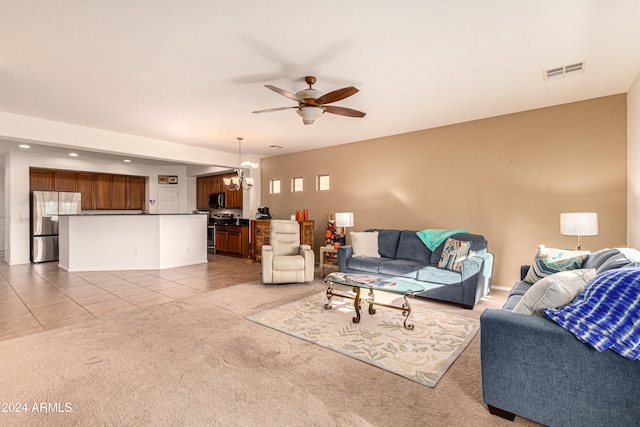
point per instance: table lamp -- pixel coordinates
(343, 220)
(579, 224)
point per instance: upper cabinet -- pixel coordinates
(104, 191)
(100, 191)
(233, 198)
(86, 187)
(40, 180)
(136, 192)
(206, 185)
(65, 181)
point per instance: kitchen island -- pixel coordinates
(103, 242)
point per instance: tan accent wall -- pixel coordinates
(506, 177)
(633, 164)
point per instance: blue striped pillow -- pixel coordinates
(606, 314)
(550, 261)
(454, 252)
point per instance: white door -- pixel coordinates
(167, 200)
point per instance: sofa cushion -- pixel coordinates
(411, 247)
(520, 288)
(368, 264)
(288, 263)
(596, 259)
(365, 244)
(550, 260)
(512, 301)
(625, 257)
(454, 253)
(439, 276)
(554, 291)
(401, 267)
(387, 242)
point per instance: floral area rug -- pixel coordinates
(422, 354)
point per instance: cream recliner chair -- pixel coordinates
(285, 260)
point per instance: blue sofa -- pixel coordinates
(403, 254)
(534, 368)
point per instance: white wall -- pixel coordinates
(17, 164)
(633, 165)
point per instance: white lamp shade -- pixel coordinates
(344, 219)
(579, 224)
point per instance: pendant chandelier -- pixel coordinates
(239, 180)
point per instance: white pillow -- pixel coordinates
(365, 243)
(554, 291)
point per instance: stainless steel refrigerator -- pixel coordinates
(45, 208)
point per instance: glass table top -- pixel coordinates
(397, 285)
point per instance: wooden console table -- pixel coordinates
(260, 234)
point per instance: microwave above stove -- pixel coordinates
(217, 200)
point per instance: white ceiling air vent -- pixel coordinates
(564, 71)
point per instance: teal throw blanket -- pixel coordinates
(433, 238)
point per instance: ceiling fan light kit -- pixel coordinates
(309, 114)
(312, 103)
(238, 181)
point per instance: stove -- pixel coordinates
(222, 219)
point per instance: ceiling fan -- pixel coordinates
(312, 103)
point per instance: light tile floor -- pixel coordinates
(38, 297)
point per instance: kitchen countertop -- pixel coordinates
(131, 214)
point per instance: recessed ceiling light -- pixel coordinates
(24, 146)
(127, 161)
(73, 154)
(275, 147)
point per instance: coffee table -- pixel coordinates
(396, 285)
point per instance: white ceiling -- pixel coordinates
(193, 71)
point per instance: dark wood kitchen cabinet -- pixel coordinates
(119, 188)
(40, 180)
(101, 191)
(86, 185)
(119, 192)
(65, 181)
(206, 185)
(232, 240)
(136, 192)
(104, 190)
(222, 238)
(233, 198)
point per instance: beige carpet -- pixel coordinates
(200, 362)
(421, 354)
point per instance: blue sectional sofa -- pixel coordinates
(535, 368)
(403, 254)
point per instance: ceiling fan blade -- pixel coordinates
(336, 95)
(284, 93)
(342, 111)
(274, 109)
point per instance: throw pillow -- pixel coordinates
(554, 291)
(365, 243)
(454, 253)
(549, 261)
